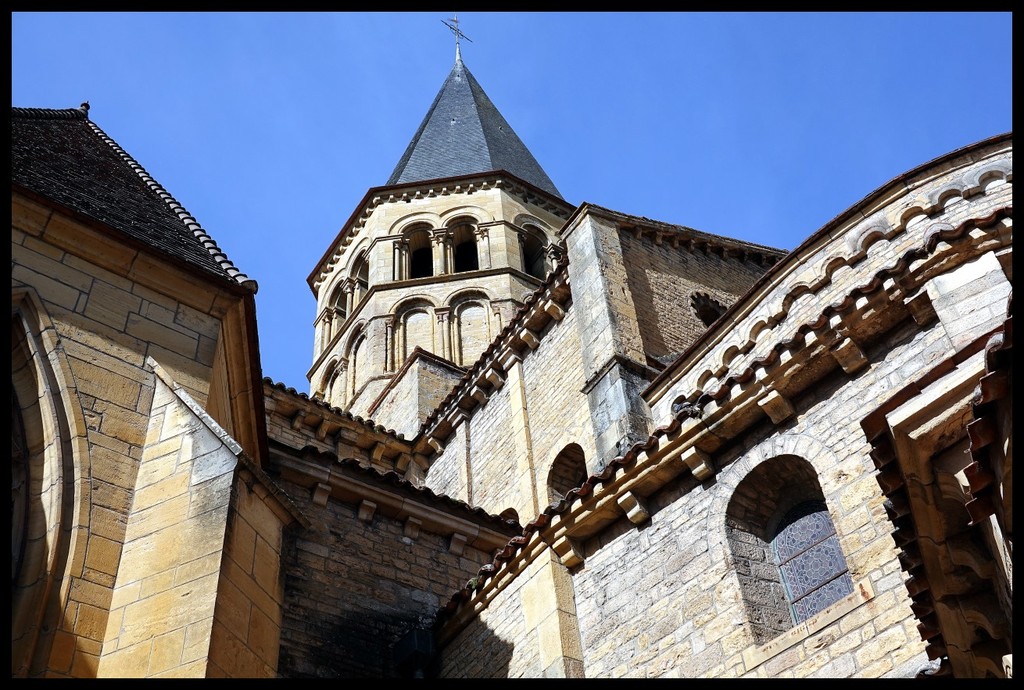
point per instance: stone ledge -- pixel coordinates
(755, 656)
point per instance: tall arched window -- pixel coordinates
(420, 259)
(568, 471)
(338, 302)
(784, 546)
(533, 244)
(338, 310)
(464, 252)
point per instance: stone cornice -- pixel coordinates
(991, 407)
(710, 418)
(894, 483)
(349, 481)
(793, 280)
(321, 419)
(678, 236)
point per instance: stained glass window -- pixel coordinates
(810, 560)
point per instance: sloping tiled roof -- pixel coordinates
(396, 483)
(464, 133)
(62, 156)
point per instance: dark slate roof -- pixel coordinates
(62, 156)
(463, 133)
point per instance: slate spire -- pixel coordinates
(463, 133)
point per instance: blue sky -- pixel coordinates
(270, 127)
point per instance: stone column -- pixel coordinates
(338, 393)
(440, 251)
(400, 260)
(483, 246)
(348, 287)
(389, 342)
(443, 315)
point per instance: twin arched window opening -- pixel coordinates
(418, 246)
(361, 276)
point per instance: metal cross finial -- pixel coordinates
(454, 27)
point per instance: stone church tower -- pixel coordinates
(432, 265)
(542, 439)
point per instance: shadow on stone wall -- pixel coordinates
(357, 643)
(364, 644)
(476, 652)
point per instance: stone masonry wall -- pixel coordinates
(105, 324)
(556, 413)
(611, 344)
(161, 612)
(354, 588)
(423, 385)
(502, 641)
(447, 473)
(246, 635)
(679, 611)
(559, 414)
(661, 282)
(492, 453)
